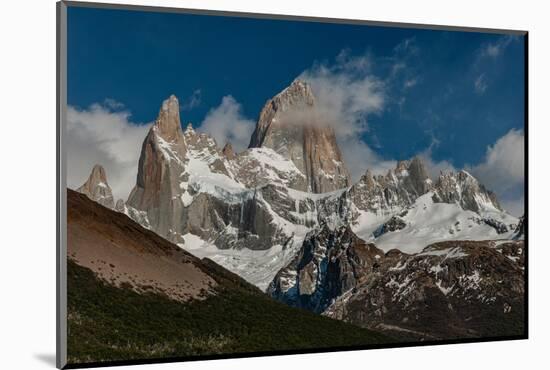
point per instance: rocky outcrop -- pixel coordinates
(393, 224)
(519, 232)
(329, 263)
(500, 227)
(290, 125)
(97, 189)
(455, 289)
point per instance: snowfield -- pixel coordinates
(257, 267)
(429, 222)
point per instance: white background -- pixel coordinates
(27, 182)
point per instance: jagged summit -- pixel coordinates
(399, 188)
(298, 90)
(409, 180)
(288, 125)
(464, 189)
(168, 125)
(97, 187)
(159, 167)
(171, 104)
(189, 130)
(296, 96)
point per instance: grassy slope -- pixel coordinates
(108, 323)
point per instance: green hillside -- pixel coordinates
(107, 323)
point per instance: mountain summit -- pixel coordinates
(96, 187)
(290, 124)
(159, 168)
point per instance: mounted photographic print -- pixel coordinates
(235, 185)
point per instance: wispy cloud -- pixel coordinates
(435, 167)
(407, 46)
(113, 104)
(353, 88)
(495, 49)
(410, 83)
(480, 84)
(193, 101)
(226, 123)
(347, 93)
(403, 73)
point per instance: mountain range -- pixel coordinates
(398, 252)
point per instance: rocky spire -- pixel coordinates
(168, 124)
(290, 125)
(189, 130)
(96, 187)
(297, 95)
(418, 179)
(399, 188)
(161, 163)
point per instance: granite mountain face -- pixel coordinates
(159, 170)
(187, 185)
(290, 124)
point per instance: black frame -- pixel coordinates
(61, 259)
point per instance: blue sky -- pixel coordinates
(449, 95)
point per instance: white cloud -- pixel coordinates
(193, 101)
(480, 84)
(503, 170)
(433, 167)
(346, 93)
(503, 167)
(226, 123)
(359, 157)
(98, 135)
